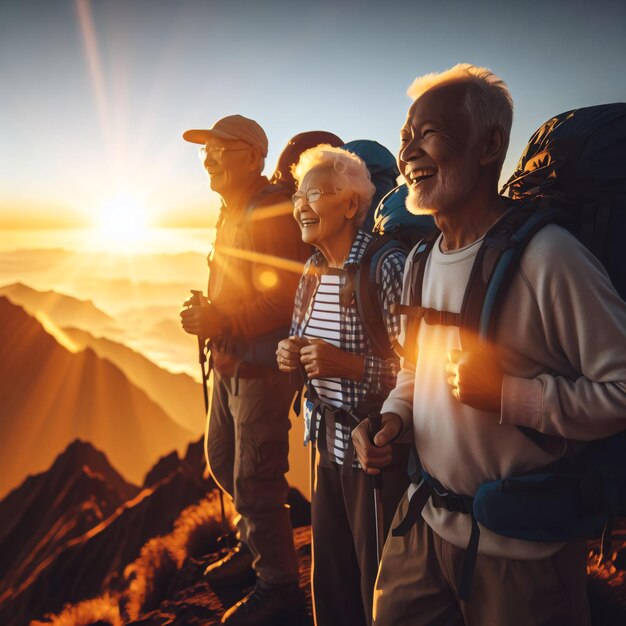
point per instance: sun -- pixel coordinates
(123, 217)
(122, 223)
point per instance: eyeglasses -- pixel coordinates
(312, 195)
(216, 152)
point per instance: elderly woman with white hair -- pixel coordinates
(346, 382)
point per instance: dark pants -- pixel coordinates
(247, 446)
(344, 536)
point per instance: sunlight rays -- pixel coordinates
(88, 33)
(58, 333)
(263, 259)
(123, 159)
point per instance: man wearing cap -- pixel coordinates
(255, 267)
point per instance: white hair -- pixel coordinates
(488, 103)
(348, 170)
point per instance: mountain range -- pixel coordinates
(76, 493)
(151, 325)
(80, 546)
(133, 341)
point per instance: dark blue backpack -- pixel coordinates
(572, 172)
(576, 163)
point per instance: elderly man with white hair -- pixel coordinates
(346, 380)
(557, 367)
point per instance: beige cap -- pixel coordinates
(232, 127)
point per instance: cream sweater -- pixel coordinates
(562, 346)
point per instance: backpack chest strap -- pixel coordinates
(430, 316)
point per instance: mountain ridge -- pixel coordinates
(51, 396)
(61, 308)
(179, 395)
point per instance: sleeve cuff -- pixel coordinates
(400, 408)
(522, 402)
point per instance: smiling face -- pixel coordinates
(437, 157)
(323, 219)
(228, 164)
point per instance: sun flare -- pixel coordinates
(123, 217)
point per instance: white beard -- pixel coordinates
(452, 184)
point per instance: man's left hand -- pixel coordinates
(475, 379)
(200, 320)
(323, 360)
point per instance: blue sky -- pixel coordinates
(86, 116)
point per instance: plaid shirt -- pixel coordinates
(379, 375)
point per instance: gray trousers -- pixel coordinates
(247, 446)
(344, 536)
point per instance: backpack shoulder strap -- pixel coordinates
(496, 261)
(368, 293)
(413, 307)
(309, 280)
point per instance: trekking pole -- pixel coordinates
(202, 358)
(375, 425)
(196, 300)
(205, 375)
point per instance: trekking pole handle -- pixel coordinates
(375, 424)
(196, 300)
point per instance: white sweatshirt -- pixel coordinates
(562, 346)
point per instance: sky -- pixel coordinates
(96, 94)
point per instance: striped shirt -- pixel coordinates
(319, 309)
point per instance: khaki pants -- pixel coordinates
(419, 574)
(247, 446)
